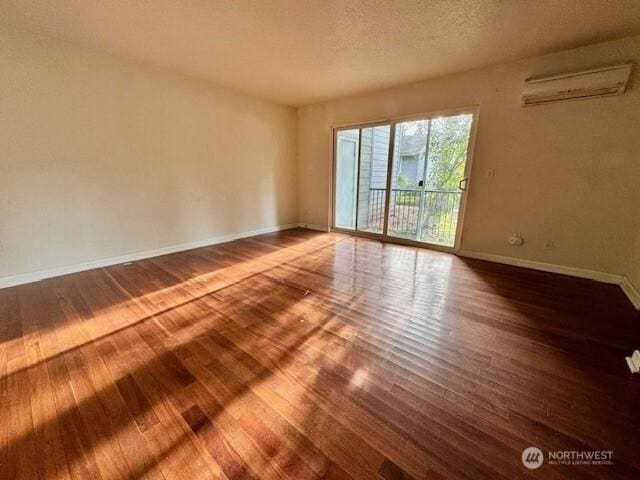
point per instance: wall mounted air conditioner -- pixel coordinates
(600, 82)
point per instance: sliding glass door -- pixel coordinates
(404, 180)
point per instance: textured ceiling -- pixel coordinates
(304, 51)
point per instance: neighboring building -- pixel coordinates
(408, 150)
(410, 169)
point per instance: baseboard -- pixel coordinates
(14, 280)
(310, 226)
(604, 277)
(546, 267)
(21, 279)
(631, 292)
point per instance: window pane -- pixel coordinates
(374, 159)
(429, 161)
(408, 174)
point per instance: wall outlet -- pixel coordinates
(634, 362)
(491, 173)
(516, 239)
(548, 245)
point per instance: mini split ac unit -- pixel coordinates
(600, 82)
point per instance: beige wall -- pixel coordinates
(568, 172)
(102, 157)
(633, 269)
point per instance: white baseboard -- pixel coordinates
(546, 267)
(631, 292)
(105, 262)
(310, 226)
(604, 277)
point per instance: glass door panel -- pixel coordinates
(445, 178)
(428, 179)
(374, 161)
(406, 201)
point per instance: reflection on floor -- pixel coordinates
(306, 355)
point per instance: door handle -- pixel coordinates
(461, 182)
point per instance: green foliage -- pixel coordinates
(403, 182)
(448, 143)
(410, 198)
(447, 151)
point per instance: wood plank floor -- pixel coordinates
(303, 355)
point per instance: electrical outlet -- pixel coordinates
(491, 173)
(548, 245)
(634, 362)
(516, 239)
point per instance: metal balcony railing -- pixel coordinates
(439, 214)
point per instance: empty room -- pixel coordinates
(319, 239)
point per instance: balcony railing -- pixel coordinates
(437, 219)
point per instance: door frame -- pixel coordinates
(392, 122)
(356, 173)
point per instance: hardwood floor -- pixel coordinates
(304, 355)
